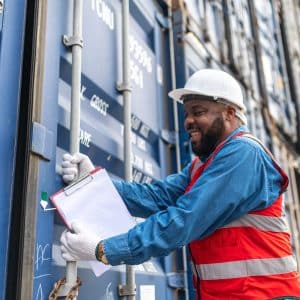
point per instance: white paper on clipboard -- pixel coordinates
(94, 202)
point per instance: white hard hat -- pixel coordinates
(218, 85)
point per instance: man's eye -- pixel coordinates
(198, 113)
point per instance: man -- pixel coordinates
(226, 205)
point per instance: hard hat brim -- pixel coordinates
(177, 94)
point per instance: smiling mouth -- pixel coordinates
(194, 135)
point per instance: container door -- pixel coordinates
(101, 128)
(12, 18)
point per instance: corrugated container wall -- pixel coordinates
(242, 59)
(289, 11)
(257, 41)
(280, 105)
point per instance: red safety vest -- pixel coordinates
(250, 258)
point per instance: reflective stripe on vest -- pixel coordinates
(245, 268)
(196, 164)
(265, 223)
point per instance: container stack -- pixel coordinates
(259, 43)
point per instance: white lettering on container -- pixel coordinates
(141, 143)
(99, 104)
(138, 161)
(85, 138)
(39, 293)
(137, 176)
(104, 12)
(135, 122)
(148, 168)
(140, 61)
(139, 54)
(136, 74)
(42, 255)
(147, 179)
(159, 74)
(83, 89)
(144, 130)
(133, 138)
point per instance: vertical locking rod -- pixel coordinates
(71, 268)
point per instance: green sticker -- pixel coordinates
(44, 196)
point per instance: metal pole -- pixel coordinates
(76, 77)
(71, 268)
(130, 276)
(173, 83)
(126, 94)
(176, 128)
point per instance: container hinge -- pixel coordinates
(162, 20)
(1, 6)
(176, 280)
(41, 141)
(125, 290)
(168, 136)
(70, 41)
(1, 14)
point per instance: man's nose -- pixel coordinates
(188, 121)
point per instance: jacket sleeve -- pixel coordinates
(240, 179)
(143, 200)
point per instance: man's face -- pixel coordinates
(205, 125)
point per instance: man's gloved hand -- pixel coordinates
(75, 166)
(80, 245)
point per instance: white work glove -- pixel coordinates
(75, 166)
(80, 245)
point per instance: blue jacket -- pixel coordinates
(241, 178)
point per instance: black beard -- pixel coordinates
(211, 139)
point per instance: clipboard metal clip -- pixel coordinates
(82, 181)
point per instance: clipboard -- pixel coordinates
(94, 201)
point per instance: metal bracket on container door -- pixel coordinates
(121, 87)
(125, 290)
(1, 14)
(41, 141)
(70, 41)
(168, 136)
(176, 280)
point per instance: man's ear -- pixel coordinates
(229, 113)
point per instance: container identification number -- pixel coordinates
(104, 12)
(140, 60)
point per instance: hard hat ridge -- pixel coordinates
(216, 85)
